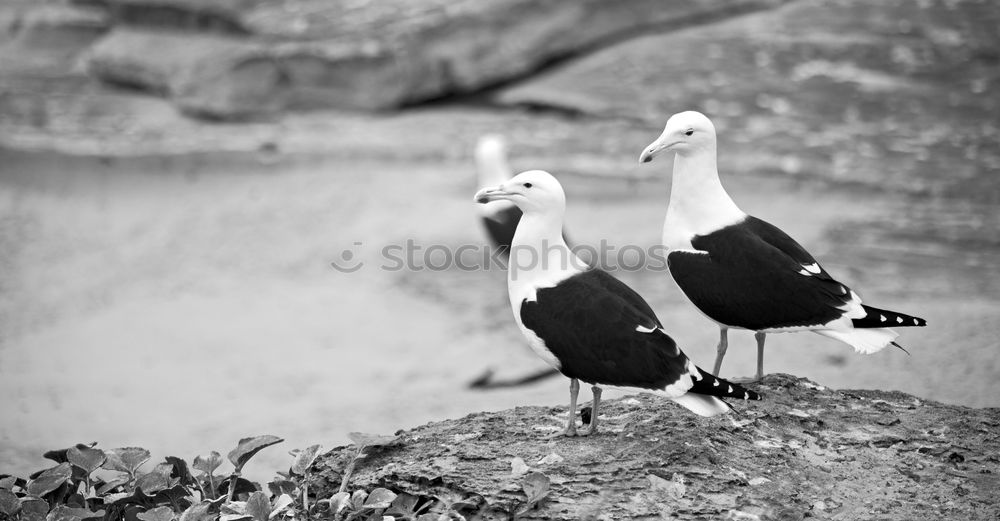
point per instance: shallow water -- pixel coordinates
(183, 304)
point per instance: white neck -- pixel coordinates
(698, 203)
(539, 256)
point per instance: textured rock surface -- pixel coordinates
(805, 451)
(230, 58)
(899, 93)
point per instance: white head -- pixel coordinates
(491, 159)
(534, 191)
(686, 133)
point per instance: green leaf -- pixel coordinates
(403, 506)
(283, 486)
(111, 485)
(33, 509)
(339, 502)
(9, 503)
(152, 483)
(175, 495)
(209, 464)
(258, 506)
(379, 499)
(536, 487)
(50, 479)
(126, 459)
(65, 513)
(247, 447)
(198, 512)
(358, 499)
(305, 458)
(362, 439)
(282, 502)
(87, 458)
(156, 514)
(179, 468)
(59, 455)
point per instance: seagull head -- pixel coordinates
(491, 159)
(534, 191)
(685, 133)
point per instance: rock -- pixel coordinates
(226, 57)
(47, 38)
(655, 458)
(876, 94)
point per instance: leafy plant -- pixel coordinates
(70, 491)
(74, 490)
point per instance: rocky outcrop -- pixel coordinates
(887, 94)
(233, 58)
(805, 451)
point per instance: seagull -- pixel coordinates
(742, 272)
(499, 218)
(586, 323)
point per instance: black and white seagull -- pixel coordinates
(743, 272)
(586, 323)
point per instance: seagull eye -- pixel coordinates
(527, 185)
(689, 132)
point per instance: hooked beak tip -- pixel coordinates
(487, 195)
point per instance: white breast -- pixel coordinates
(524, 284)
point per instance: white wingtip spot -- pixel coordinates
(746, 396)
(813, 268)
(730, 389)
(899, 320)
(883, 318)
(804, 272)
(716, 383)
(641, 329)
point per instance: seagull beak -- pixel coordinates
(652, 150)
(491, 194)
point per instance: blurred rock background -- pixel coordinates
(177, 175)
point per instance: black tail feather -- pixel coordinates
(884, 318)
(712, 385)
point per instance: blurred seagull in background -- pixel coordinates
(744, 273)
(586, 323)
(499, 220)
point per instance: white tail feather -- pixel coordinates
(703, 405)
(865, 341)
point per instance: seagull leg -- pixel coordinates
(592, 429)
(723, 345)
(574, 391)
(760, 354)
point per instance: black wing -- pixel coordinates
(754, 276)
(589, 323)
